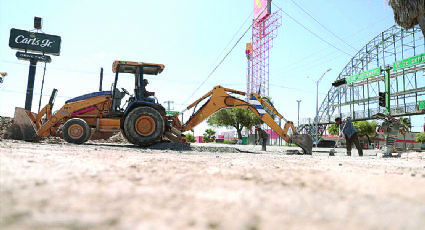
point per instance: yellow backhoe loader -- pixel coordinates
(143, 121)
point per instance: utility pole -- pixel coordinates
(298, 112)
(317, 105)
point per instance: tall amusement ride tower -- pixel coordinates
(264, 30)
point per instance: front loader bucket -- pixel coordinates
(23, 127)
(304, 141)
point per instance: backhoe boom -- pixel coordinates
(220, 99)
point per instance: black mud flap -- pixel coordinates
(304, 141)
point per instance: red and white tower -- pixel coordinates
(264, 30)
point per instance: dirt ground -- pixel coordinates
(48, 185)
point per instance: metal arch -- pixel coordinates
(360, 99)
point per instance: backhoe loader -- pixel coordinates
(142, 121)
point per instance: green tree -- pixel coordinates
(365, 128)
(407, 126)
(237, 118)
(420, 137)
(406, 121)
(333, 129)
(190, 138)
(208, 136)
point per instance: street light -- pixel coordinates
(317, 104)
(298, 112)
(169, 103)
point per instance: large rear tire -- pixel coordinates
(143, 126)
(76, 131)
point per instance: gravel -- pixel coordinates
(121, 186)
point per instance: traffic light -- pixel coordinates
(339, 82)
(382, 98)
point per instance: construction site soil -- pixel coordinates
(51, 184)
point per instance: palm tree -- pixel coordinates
(407, 126)
(409, 13)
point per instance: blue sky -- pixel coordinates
(189, 37)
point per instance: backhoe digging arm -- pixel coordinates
(220, 99)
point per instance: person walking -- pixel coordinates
(263, 136)
(347, 129)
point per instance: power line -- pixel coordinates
(323, 25)
(55, 68)
(316, 34)
(233, 47)
(222, 60)
(36, 94)
(299, 23)
(236, 33)
(294, 67)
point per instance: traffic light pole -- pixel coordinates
(387, 90)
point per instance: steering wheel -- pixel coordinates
(125, 91)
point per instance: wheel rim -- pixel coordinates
(75, 131)
(145, 125)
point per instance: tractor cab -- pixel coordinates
(141, 95)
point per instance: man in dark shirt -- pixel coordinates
(263, 135)
(347, 129)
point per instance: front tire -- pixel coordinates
(144, 126)
(76, 131)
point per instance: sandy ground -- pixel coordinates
(117, 186)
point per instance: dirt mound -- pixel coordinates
(5, 123)
(114, 138)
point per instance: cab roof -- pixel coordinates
(132, 67)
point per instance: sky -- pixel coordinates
(190, 38)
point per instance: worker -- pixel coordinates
(2, 75)
(347, 129)
(146, 93)
(262, 135)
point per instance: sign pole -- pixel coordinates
(36, 42)
(30, 86)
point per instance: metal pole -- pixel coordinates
(317, 105)
(42, 86)
(101, 79)
(298, 112)
(388, 90)
(30, 86)
(317, 112)
(280, 125)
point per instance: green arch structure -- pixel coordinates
(401, 50)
